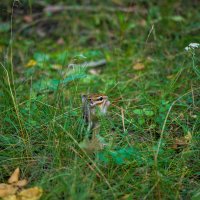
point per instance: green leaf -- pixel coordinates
(102, 157)
(119, 160)
(177, 18)
(4, 27)
(92, 54)
(141, 121)
(53, 83)
(138, 111)
(41, 57)
(148, 112)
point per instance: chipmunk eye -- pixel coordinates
(100, 99)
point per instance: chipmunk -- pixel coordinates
(94, 105)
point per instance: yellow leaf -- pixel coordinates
(170, 76)
(1, 49)
(31, 63)
(30, 194)
(188, 137)
(6, 190)
(56, 66)
(138, 66)
(179, 143)
(14, 177)
(126, 197)
(21, 183)
(10, 197)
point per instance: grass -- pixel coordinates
(152, 129)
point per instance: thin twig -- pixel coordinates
(123, 124)
(59, 8)
(89, 64)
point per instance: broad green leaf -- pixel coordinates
(141, 121)
(138, 111)
(177, 18)
(148, 112)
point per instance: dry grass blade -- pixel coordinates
(55, 9)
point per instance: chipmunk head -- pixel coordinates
(99, 101)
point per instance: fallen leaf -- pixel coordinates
(170, 76)
(126, 197)
(138, 66)
(188, 137)
(60, 41)
(94, 71)
(12, 191)
(179, 143)
(14, 177)
(28, 18)
(30, 194)
(21, 183)
(6, 190)
(31, 63)
(143, 22)
(56, 66)
(10, 197)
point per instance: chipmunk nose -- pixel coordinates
(107, 103)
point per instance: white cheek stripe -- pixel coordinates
(103, 107)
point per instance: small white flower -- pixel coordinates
(187, 48)
(192, 46)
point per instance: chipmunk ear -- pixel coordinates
(84, 98)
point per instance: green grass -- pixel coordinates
(41, 122)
